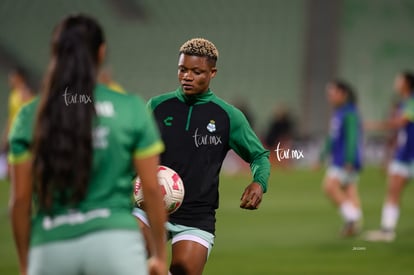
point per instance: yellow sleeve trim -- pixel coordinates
(16, 159)
(154, 149)
(409, 115)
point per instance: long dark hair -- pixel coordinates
(62, 146)
(347, 89)
(409, 78)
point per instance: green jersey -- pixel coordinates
(123, 130)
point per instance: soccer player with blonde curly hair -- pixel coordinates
(198, 129)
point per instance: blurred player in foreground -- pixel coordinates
(105, 77)
(344, 147)
(72, 153)
(401, 169)
(198, 129)
(20, 94)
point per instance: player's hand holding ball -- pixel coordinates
(252, 196)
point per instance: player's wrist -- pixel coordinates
(263, 186)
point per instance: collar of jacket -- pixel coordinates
(194, 99)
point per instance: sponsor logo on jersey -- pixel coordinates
(105, 109)
(100, 137)
(74, 217)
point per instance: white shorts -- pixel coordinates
(103, 252)
(177, 232)
(345, 177)
(402, 169)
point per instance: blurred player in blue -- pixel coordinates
(343, 145)
(401, 169)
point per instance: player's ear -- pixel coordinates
(101, 53)
(213, 72)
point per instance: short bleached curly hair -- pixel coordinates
(200, 47)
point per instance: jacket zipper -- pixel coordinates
(187, 125)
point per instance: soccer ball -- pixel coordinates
(172, 188)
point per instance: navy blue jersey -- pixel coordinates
(345, 137)
(405, 141)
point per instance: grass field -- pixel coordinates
(294, 232)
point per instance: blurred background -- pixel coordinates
(276, 57)
(274, 54)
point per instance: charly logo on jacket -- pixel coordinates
(168, 120)
(211, 127)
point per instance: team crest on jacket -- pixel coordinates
(211, 127)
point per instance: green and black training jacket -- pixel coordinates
(198, 131)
